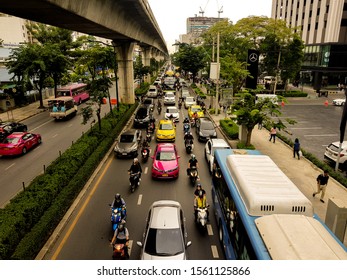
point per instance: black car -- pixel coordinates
(6, 128)
(205, 129)
(142, 117)
(149, 102)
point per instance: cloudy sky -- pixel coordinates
(171, 15)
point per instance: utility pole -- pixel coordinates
(217, 82)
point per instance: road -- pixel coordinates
(57, 136)
(88, 233)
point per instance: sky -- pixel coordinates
(171, 15)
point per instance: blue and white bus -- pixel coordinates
(261, 214)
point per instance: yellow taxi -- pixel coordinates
(197, 109)
(166, 131)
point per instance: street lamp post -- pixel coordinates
(115, 73)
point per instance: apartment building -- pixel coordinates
(323, 26)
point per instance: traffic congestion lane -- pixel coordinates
(94, 221)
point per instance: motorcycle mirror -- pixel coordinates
(189, 243)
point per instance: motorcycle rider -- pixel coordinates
(121, 236)
(119, 202)
(200, 201)
(135, 168)
(193, 162)
(188, 138)
(198, 190)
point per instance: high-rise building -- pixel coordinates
(323, 26)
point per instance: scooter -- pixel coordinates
(186, 128)
(145, 154)
(189, 146)
(193, 122)
(159, 110)
(179, 104)
(117, 215)
(134, 181)
(148, 137)
(119, 252)
(193, 175)
(201, 218)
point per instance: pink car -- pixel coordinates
(19, 143)
(165, 162)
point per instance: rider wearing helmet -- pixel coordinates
(193, 162)
(200, 202)
(119, 202)
(186, 120)
(121, 236)
(198, 190)
(135, 167)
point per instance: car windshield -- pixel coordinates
(164, 242)
(166, 126)
(189, 99)
(141, 113)
(165, 156)
(127, 138)
(196, 109)
(171, 110)
(147, 101)
(169, 95)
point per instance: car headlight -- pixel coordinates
(156, 169)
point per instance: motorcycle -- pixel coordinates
(186, 127)
(179, 104)
(193, 175)
(145, 154)
(117, 215)
(201, 217)
(193, 122)
(159, 110)
(189, 145)
(119, 252)
(148, 137)
(134, 181)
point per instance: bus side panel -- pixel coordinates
(226, 242)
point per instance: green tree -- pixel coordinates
(250, 113)
(190, 59)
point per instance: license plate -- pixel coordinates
(124, 154)
(165, 175)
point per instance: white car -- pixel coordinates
(339, 102)
(172, 113)
(332, 151)
(152, 92)
(169, 99)
(189, 101)
(210, 147)
(165, 232)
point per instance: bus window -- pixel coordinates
(77, 91)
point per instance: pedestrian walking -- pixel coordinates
(322, 182)
(273, 134)
(296, 148)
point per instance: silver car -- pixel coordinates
(128, 143)
(165, 233)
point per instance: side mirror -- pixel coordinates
(152, 157)
(189, 243)
(139, 243)
(178, 157)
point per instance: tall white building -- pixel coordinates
(13, 30)
(323, 25)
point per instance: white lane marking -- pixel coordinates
(146, 170)
(42, 125)
(54, 135)
(10, 166)
(139, 200)
(209, 229)
(319, 135)
(130, 246)
(317, 127)
(214, 251)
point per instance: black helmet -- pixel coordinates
(199, 186)
(117, 197)
(201, 194)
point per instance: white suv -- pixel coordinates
(210, 147)
(331, 153)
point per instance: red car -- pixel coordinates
(165, 162)
(19, 143)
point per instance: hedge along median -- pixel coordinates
(30, 218)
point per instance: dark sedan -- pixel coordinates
(6, 128)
